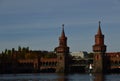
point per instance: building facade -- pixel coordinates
(61, 60)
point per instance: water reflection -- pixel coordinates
(99, 77)
(74, 77)
(62, 77)
(82, 77)
(59, 77)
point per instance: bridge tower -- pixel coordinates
(62, 52)
(99, 49)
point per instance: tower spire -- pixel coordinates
(99, 49)
(62, 52)
(63, 33)
(63, 38)
(99, 29)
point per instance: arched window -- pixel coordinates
(46, 63)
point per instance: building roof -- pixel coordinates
(99, 29)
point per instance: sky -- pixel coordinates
(37, 24)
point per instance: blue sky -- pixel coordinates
(37, 23)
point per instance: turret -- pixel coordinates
(99, 41)
(63, 38)
(62, 52)
(99, 49)
(62, 48)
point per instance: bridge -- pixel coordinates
(76, 65)
(114, 60)
(80, 65)
(48, 65)
(115, 67)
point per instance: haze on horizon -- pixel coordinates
(38, 23)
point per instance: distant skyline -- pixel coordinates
(38, 23)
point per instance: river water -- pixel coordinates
(59, 77)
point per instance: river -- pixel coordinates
(59, 77)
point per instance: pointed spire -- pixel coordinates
(99, 30)
(63, 38)
(63, 33)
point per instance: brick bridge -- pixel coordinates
(76, 65)
(48, 64)
(114, 60)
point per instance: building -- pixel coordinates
(104, 62)
(99, 49)
(24, 60)
(62, 52)
(81, 54)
